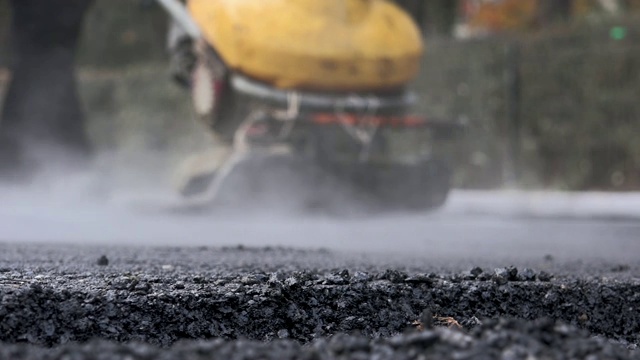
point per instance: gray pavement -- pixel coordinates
(474, 225)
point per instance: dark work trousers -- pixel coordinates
(42, 111)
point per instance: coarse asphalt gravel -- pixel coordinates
(70, 301)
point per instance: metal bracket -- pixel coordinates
(312, 100)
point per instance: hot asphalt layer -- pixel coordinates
(83, 279)
(296, 303)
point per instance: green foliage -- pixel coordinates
(578, 103)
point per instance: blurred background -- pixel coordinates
(549, 89)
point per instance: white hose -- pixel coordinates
(181, 16)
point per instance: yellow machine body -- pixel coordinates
(326, 45)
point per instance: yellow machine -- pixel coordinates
(331, 45)
(325, 81)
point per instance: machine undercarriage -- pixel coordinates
(368, 140)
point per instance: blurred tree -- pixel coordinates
(549, 12)
(633, 5)
(440, 16)
(617, 6)
(583, 7)
(506, 15)
(434, 17)
(587, 7)
(519, 15)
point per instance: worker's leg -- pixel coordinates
(42, 111)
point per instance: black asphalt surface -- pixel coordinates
(101, 301)
(84, 278)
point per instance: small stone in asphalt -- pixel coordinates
(500, 276)
(419, 279)
(476, 271)
(394, 276)
(508, 273)
(544, 276)
(527, 274)
(103, 261)
(500, 280)
(360, 276)
(334, 279)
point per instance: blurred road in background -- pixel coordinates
(474, 225)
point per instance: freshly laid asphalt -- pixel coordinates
(91, 281)
(200, 302)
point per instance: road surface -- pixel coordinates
(103, 273)
(497, 225)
